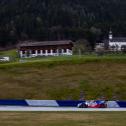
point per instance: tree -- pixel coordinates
(123, 48)
(81, 46)
(61, 19)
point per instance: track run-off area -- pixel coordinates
(56, 109)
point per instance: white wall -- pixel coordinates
(119, 44)
(47, 53)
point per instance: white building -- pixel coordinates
(45, 48)
(115, 43)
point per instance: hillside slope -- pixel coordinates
(63, 80)
(60, 19)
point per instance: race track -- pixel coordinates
(56, 109)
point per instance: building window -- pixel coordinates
(39, 51)
(64, 50)
(49, 51)
(54, 50)
(59, 51)
(33, 51)
(43, 51)
(23, 52)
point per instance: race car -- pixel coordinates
(93, 104)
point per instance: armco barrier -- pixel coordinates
(53, 103)
(56, 103)
(14, 102)
(45, 103)
(122, 104)
(69, 103)
(116, 104)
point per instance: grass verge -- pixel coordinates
(63, 80)
(62, 118)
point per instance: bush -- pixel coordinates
(99, 50)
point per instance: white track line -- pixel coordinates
(56, 109)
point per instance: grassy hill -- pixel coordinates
(64, 78)
(11, 53)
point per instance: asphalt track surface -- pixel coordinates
(56, 109)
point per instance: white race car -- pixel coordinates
(93, 104)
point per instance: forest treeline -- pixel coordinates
(60, 19)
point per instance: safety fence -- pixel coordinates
(56, 103)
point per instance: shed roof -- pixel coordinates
(44, 43)
(118, 39)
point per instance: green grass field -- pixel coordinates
(12, 53)
(63, 77)
(62, 118)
